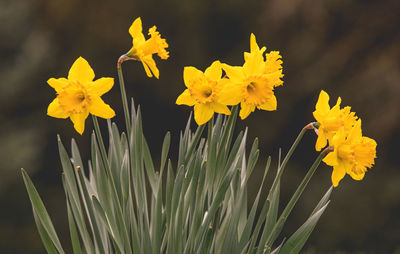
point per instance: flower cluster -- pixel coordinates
(352, 153)
(79, 95)
(252, 85)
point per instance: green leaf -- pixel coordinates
(47, 242)
(45, 225)
(76, 246)
(296, 242)
(245, 235)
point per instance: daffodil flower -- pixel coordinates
(331, 119)
(143, 49)
(203, 92)
(352, 154)
(252, 85)
(79, 95)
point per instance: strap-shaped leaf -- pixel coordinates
(46, 228)
(296, 242)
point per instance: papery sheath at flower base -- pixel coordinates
(203, 92)
(331, 119)
(252, 85)
(143, 49)
(352, 154)
(79, 95)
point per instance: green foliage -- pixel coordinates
(126, 204)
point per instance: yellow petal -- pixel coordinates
(99, 108)
(147, 70)
(331, 159)
(221, 109)
(235, 73)
(101, 86)
(254, 64)
(57, 83)
(202, 113)
(356, 132)
(214, 72)
(81, 71)
(136, 29)
(270, 105)
(245, 110)
(231, 93)
(253, 43)
(55, 110)
(321, 140)
(150, 66)
(153, 67)
(191, 74)
(355, 176)
(246, 55)
(185, 98)
(79, 121)
(322, 106)
(338, 173)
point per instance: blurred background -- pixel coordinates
(349, 48)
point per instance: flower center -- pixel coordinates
(346, 152)
(74, 98)
(202, 90)
(251, 88)
(257, 90)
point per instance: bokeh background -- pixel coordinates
(349, 48)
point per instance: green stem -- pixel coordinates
(124, 98)
(210, 150)
(281, 221)
(289, 154)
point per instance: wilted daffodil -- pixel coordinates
(352, 154)
(79, 95)
(203, 92)
(143, 49)
(252, 84)
(331, 119)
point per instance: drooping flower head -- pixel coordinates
(352, 154)
(331, 119)
(203, 92)
(79, 95)
(252, 84)
(143, 49)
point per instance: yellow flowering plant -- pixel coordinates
(330, 120)
(121, 203)
(252, 84)
(143, 49)
(203, 91)
(79, 95)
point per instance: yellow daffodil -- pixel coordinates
(203, 92)
(252, 84)
(331, 119)
(143, 49)
(79, 95)
(352, 154)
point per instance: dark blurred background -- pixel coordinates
(348, 48)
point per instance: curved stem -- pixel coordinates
(281, 221)
(123, 94)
